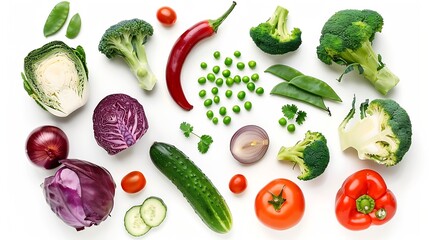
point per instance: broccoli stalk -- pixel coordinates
(311, 155)
(127, 39)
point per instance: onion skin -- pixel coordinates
(249, 144)
(46, 146)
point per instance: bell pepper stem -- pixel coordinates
(365, 204)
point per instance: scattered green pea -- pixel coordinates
(216, 54)
(260, 91)
(248, 105)
(216, 69)
(202, 93)
(250, 86)
(202, 80)
(237, 79)
(252, 64)
(291, 127)
(241, 95)
(203, 65)
(216, 99)
(215, 90)
(236, 109)
(226, 73)
(208, 102)
(228, 61)
(227, 120)
(228, 93)
(241, 65)
(237, 54)
(219, 82)
(73, 28)
(211, 77)
(245, 79)
(229, 81)
(255, 77)
(209, 114)
(215, 120)
(222, 111)
(282, 121)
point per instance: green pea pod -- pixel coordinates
(315, 86)
(73, 28)
(283, 71)
(56, 18)
(290, 91)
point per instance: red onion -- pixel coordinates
(46, 145)
(249, 144)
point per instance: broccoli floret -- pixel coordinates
(382, 134)
(127, 39)
(311, 155)
(346, 39)
(273, 36)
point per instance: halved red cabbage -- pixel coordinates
(119, 121)
(80, 193)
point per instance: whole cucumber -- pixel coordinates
(195, 186)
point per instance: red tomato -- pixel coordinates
(280, 204)
(238, 183)
(166, 16)
(133, 182)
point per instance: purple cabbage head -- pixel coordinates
(119, 121)
(80, 193)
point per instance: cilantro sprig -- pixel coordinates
(292, 113)
(205, 140)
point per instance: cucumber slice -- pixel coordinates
(134, 223)
(153, 211)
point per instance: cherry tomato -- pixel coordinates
(280, 204)
(166, 16)
(133, 182)
(238, 183)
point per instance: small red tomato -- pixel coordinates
(238, 183)
(166, 16)
(133, 182)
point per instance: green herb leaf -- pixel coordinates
(204, 143)
(289, 110)
(186, 128)
(300, 118)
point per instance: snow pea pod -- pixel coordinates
(73, 28)
(56, 18)
(288, 90)
(283, 71)
(315, 86)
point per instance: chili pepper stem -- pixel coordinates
(217, 22)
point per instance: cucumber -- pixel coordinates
(153, 211)
(134, 223)
(195, 186)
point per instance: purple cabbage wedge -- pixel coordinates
(80, 193)
(119, 121)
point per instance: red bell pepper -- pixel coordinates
(364, 200)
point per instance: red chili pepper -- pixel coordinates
(180, 51)
(364, 200)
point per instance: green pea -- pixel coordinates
(252, 64)
(226, 73)
(260, 91)
(202, 93)
(236, 109)
(228, 93)
(215, 120)
(222, 111)
(248, 105)
(228, 61)
(216, 54)
(203, 65)
(202, 80)
(291, 127)
(73, 28)
(216, 69)
(255, 77)
(251, 86)
(211, 77)
(215, 90)
(208, 102)
(237, 54)
(216, 99)
(237, 79)
(282, 121)
(56, 18)
(227, 120)
(245, 79)
(241, 95)
(241, 65)
(219, 82)
(209, 114)
(229, 81)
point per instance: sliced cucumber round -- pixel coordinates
(153, 211)
(134, 223)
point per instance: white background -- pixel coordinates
(402, 43)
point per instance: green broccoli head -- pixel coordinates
(273, 36)
(346, 39)
(127, 39)
(382, 134)
(311, 155)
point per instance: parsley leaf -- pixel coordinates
(186, 128)
(300, 118)
(205, 140)
(289, 110)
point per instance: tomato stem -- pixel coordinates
(277, 200)
(365, 204)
